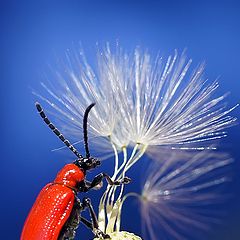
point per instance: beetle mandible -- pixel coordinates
(56, 212)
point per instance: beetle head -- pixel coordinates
(87, 163)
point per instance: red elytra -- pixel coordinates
(53, 205)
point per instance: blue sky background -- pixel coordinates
(35, 33)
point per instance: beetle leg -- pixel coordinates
(69, 229)
(98, 179)
(87, 203)
(98, 233)
(94, 224)
(124, 180)
(86, 223)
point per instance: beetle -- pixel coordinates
(56, 213)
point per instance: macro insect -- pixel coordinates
(56, 213)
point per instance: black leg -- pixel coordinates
(98, 179)
(87, 223)
(94, 224)
(69, 229)
(87, 203)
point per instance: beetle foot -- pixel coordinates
(101, 235)
(125, 180)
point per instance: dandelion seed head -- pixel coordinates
(178, 190)
(139, 99)
(156, 105)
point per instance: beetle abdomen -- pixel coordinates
(49, 213)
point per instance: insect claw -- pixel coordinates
(126, 180)
(101, 235)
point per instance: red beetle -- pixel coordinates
(56, 212)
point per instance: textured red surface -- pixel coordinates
(53, 206)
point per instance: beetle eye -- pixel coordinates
(88, 161)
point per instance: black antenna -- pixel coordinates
(85, 135)
(56, 131)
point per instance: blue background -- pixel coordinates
(35, 33)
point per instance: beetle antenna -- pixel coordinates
(85, 134)
(56, 131)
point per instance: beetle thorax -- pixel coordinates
(70, 175)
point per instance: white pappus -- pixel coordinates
(143, 103)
